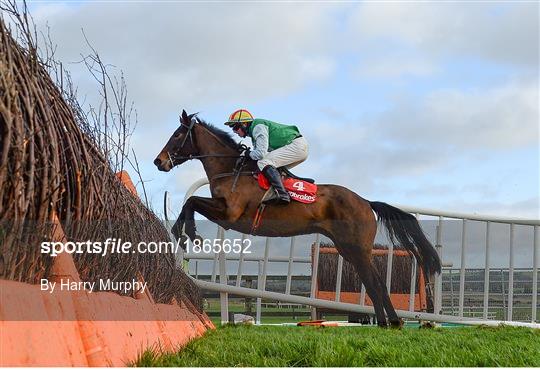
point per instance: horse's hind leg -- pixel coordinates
(360, 258)
(395, 321)
(367, 274)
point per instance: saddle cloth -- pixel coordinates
(299, 190)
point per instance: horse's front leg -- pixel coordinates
(187, 219)
(213, 209)
(179, 224)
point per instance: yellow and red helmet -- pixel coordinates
(239, 116)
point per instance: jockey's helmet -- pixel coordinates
(241, 116)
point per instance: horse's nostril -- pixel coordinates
(157, 161)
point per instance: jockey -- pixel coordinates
(275, 145)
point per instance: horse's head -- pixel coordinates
(180, 146)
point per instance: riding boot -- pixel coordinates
(281, 196)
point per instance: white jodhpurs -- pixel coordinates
(287, 156)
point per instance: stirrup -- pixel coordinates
(274, 198)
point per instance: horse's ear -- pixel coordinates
(184, 116)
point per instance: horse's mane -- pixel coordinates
(225, 137)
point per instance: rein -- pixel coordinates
(190, 157)
(229, 174)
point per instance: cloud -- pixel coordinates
(502, 33)
(451, 148)
(388, 68)
(501, 118)
(187, 54)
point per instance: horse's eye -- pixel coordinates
(176, 134)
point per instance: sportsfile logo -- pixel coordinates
(118, 246)
(109, 246)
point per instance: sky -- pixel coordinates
(424, 104)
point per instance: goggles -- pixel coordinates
(237, 126)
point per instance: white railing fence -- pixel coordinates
(220, 264)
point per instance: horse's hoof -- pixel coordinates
(396, 324)
(428, 324)
(382, 324)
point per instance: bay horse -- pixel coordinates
(338, 213)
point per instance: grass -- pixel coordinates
(257, 346)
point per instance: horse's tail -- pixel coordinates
(403, 229)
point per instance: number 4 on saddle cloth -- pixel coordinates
(300, 190)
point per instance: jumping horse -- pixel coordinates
(340, 214)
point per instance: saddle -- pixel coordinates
(300, 189)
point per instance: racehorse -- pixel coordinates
(340, 214)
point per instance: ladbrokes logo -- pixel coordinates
(304, 197)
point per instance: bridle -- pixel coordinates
(239, 165)
(189, 133)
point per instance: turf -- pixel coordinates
(257, 346)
